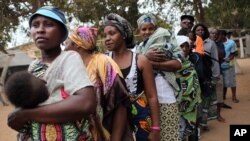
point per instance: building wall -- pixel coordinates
(30, 49)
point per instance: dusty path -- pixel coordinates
(240, 114)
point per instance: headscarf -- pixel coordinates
(84, 37)
(181, 39)
(123, 26)
(150, 18)
(53, 13)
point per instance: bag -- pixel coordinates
(203, 65)
(225, 66)
(207, 88)
(221, 51)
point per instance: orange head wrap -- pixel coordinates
(84, 37)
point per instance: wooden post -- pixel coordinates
(237, 67)
(241, 48)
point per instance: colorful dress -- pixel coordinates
(110, 90)
(190, 97)
(140, 110)
(166, 83)
(62, 75)
(190, 91)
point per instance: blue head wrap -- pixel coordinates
(146, 18)
(52, 13)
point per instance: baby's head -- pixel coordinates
(25, 90)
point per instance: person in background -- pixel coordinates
(228, 68)
(112, 95)
(190, 91)
(211, 61)
(72, 98)
(196, 43)
(166, 59)
(214, 35)
(229, 34)
(187, 22)
(138, 74)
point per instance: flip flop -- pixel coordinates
(235, 100)
(221, 119)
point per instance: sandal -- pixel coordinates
(226, 106)
(235, 100)
(221, 119)
(205, 128)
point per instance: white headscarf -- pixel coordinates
(181, 39)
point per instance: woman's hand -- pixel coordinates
(154, 135)
(156, 55)
(17, 119)
(227, 59)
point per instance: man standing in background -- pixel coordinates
(187, 22)
(228, 67)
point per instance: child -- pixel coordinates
(25, 90)
(190, 90)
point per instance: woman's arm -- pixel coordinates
(75, 107)
(117, 98)
(170, 65)
(122, 102)
(156, 55)
(159, 61)
(150, 91)
(119, 123)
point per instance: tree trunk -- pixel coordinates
(199, 11)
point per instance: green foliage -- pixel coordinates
(223, 13)
(11, 13)
(185, 6)
(233, 14)
(91, 11)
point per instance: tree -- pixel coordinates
(230, 14)
(12, 12)
(191, 7)
(91, 11)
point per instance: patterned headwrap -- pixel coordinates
(146, 18)
(123, 26)
(84, 37)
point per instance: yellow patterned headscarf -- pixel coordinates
(84, 37)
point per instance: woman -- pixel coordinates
(212, 75)
(138, 75)
(72, 96)
(190, 90)
(111, 92)
(166, 60)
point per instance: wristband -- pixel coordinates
(156, 128)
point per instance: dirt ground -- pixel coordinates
(240, 114)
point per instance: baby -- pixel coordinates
(25, 90)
